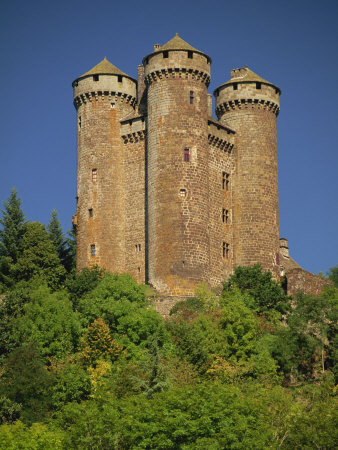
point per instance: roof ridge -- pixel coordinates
(104, 67)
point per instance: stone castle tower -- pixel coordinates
(166, 192)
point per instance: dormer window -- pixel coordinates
(258, 85)
(190, 54)
(95, 78)
(119, 78)
(235, 86)
(165, 54)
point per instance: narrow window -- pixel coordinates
(138, 247)
(226, 250)
(94, 175)
(80, 122)
(92, 250)
(225, 215)
(90, 212)
(235, 86)
(258, 85)
(225, 180)
(277, 259)
(112, 105)
(190, 54)
(95, 78)
(191, 97)
(119, 78)
(139, 269)
(186, 154)
(165, 54)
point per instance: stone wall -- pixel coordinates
(301, 280)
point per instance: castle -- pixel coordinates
(165, 191)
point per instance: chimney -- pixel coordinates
(283, 246)
(157, 47)
(141, 91)
(209, 105)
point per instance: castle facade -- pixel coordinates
(165, 191)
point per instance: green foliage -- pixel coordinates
(121, 303)
(25, 381)
(306, 348)
(80, 284)
(70, 382)
(9, 410)
(333, 275)
(188, 307)
(13, 226)
(39, 257)
(49, 321)
(97, 344)
(267, 295)
(37, 437)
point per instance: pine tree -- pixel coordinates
(13, 227)
(56, 235)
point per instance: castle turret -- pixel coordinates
(177, 76)
(249, 105)
(102, 97)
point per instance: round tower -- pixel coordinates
(102, 97)
(249, 105)
(177, 77)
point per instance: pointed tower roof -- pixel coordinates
(245, 75)
(104, 67)
(177, 43)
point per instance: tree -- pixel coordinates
(56, 235)
(39, 257)
(13, 228)
(333, 275)
(49, 321)
(266, 293)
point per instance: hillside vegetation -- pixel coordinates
(86, 363)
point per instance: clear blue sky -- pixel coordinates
(45, 45)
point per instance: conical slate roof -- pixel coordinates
(177, 43)
(104, 68)
(246, 75)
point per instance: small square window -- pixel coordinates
(190, 54)
(95, 78)
(94, 175)
(186, 154)
(90, 212)
(92, 250)
(165, 54)
(258, 85)
(119, 78)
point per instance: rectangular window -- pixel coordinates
(186, 154)
(90, 212)
(94, 175)
(258, 85)
(165, 54)
(92, 250)
(119, 78)
(235, 86)
(138, 247)
(226, 250)
(190, 54)
(225, 180)
(225, 215)
(191, 97)
(80, 123)
(95, 78)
